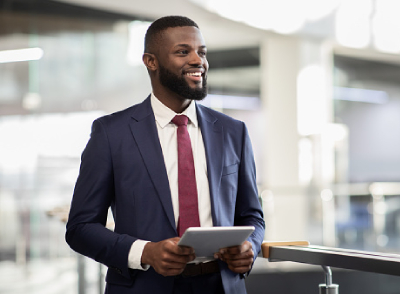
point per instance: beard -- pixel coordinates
(180, 86)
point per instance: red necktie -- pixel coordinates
(188, 208)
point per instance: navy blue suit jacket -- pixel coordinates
(123, 168)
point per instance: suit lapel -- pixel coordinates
(144, 131)
(213, 139)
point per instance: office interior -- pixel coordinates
(316, 82)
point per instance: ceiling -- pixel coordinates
(222, 35)
(218, 31)
(228, 41)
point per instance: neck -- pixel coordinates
(173, 101)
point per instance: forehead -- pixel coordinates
(176, 36)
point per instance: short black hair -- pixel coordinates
(158, 26)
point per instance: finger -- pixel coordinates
(242, 250)
(175, 239)
(171, 258)
(185, 250)
(231, 250)
(167, 268)
(246, 246)
(245, 255)
(185, 258)
(177, 249)
(231, 254)
(240, 262)
(240, 266)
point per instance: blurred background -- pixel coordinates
(316, 81)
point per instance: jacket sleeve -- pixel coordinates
(93, 195)
(248, 211)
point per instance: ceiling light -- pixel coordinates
(360, 95)
(284, 16)
(386, 26)
(353, 23)
(17, 55)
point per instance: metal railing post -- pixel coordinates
(328, 287)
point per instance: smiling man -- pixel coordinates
(162, 166)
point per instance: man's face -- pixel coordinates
(183, 64)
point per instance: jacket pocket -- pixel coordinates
(113, 277)
(230, 169)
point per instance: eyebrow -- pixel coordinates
(188, 46)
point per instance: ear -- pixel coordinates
(150, 61)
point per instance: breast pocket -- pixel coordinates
(227, 193)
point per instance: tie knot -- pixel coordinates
(180, 120)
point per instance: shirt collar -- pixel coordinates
(164, 115)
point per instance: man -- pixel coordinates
(132, 165)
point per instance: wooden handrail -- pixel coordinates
(267, 244)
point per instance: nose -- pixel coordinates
(196, 59)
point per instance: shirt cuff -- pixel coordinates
(135, 256)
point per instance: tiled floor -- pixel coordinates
(58, 276)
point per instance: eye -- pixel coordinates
(203, 53)
(182, 52)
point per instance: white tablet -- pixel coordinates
(208, 240)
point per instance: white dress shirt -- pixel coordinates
(168, 140)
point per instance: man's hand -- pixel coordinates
(238, 258)
(166, 257)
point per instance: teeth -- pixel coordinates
(196, 74)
